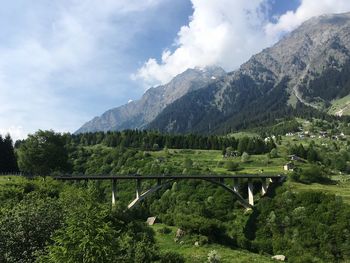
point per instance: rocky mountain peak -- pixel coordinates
(137, 114)
(310, 65)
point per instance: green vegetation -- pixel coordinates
(199, 254)
(340, 106)
(306, 219)
(8, 163)
(43, 153)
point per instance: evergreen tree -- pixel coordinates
(8, 162)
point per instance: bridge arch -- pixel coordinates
(142, 196)
(164, 180)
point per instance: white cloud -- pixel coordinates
(56, 49)
(307, 9)
(221, 32)
(227, 33)
(16, 132)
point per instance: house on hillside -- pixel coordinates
(323, 134)
(288, 167)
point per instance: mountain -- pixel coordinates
(137, 114)
(306, 72)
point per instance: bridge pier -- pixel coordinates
(163, 180)
(138, 188)
(250, 192)
(263, 186)
(114, 191)
(235, 185)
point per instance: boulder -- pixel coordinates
(179, 233)
(279, 257)
(151, 220)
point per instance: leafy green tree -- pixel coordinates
(312, 155)
(274, 153)
(26, 228)
(243, 144)
(43, 153)
(245, 157)
(87, 237)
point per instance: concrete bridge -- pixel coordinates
(165, 180)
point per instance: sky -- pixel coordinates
(63, 62)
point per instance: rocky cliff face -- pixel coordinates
(310, 66)
(137, 114)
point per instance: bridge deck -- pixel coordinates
(149, 177)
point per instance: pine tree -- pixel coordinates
(8, 162)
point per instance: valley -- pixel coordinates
(211, 222)
(250, 164)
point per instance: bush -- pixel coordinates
(232, 166)
(245, 157)
(171, 257)
(188, 163)
(164, 230)
(214, 257)
(274, 153)
(314, 174)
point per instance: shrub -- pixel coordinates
(171, 257)
(232, 166)
(314, 174)
(188, 163)
(164, 230)
(245, 157)
(274, 153)
(214, 257)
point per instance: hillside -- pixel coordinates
(137, 114)
(300, 75)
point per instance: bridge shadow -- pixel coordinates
(251, 227)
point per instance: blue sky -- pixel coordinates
(62, 62)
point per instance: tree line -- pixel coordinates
(151, 140)
(46, 152)
(8, 163)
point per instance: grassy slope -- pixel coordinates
(341, 187)
(343, 103)
(199, 254)
(212, 159)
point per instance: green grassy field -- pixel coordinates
(215, 163)
(341, 104)
(194, 254)
(340, 187)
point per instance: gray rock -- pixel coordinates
(151, 220)
(180, 233)
(279, 257)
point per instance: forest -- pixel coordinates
(44, 220)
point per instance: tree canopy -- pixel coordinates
(43, 153)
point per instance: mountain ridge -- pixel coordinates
(312, 63)
(137, 114)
